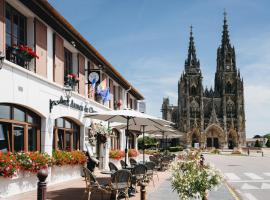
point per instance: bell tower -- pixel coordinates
(190, 91)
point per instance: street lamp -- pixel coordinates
(67, 92)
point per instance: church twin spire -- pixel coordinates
(192, 64)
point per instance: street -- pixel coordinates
(249, 176)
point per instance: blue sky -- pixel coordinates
(147, 41)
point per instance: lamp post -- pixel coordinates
(67, 92)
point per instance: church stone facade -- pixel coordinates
(212, 117)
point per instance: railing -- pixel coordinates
(13, 56)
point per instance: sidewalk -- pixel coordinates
(74, 190)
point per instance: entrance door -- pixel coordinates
(216, 143)
(209, 142)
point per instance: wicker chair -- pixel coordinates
(156, 161)
(120, 182)
(123, 164)
(165, 161)
(93, 188)
(139, 174)
(151, 171)
(112, 167)
(133, 162)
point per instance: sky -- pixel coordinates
(147, 42)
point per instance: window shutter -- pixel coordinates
(58, 59)
(41, 48)
(81, 73)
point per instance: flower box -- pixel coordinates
(65, 173)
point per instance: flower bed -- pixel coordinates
(191, 180)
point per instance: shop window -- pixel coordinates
(66, 135)
(16, 125)
(5, 111)
(15, 35)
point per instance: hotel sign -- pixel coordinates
(71, 104)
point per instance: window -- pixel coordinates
(229, 88)
(19, 129)
(66, 135)
(115, 139)
(15, 34)
(68, 62)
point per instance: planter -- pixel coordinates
(23, 182)
(116, 162)
(27, 181)
(65, 173)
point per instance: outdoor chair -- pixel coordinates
(165, 161)
(138, 174)
(151, 170)
(156, 161)
(133, 162)
(94, 190)
(123, 164)
(112, 167)
(120, 183)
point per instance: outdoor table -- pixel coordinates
(107, 172)
(129, 167)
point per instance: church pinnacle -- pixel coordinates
(191, 61)
(225, 34)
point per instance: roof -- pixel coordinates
(56, 15)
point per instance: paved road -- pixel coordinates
(250, 176)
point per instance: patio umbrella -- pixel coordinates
(128, 116)
(144, 129)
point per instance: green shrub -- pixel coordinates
(257, 144)
(176, 149)
(215, 151)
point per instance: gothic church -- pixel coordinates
(212, 117)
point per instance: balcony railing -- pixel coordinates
(21, 56)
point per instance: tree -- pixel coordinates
(148, 142)
(257, 136)
(257, 144)
(268, 143)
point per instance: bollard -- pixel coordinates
(202, 160)
(42, 185)
(143, 191)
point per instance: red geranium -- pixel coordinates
(116, 154)
(133, 153)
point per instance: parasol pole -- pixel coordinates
(143, 126)
(126, 149)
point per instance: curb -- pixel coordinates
(233, 192)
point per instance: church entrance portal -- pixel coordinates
(215, 137)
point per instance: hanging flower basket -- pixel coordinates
(101, 138)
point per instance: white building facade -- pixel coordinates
(34, 112)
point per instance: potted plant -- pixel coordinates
(133, 153)
(71, 80)
(191, 180)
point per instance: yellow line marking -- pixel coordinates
(235, 195)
